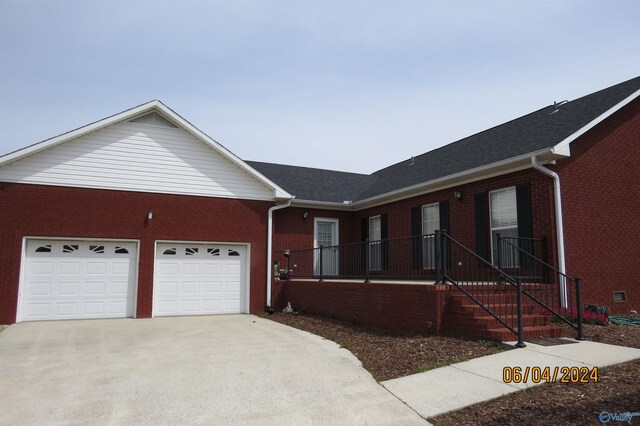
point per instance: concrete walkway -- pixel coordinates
(459, 385)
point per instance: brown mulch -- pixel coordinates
(617, 391)
(387, 355)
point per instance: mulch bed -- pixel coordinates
(388, 355)
(617, 391)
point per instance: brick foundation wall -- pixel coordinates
(601, 208)
(51, 211)
(408, 308)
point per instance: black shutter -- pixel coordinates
(525, 223)
(482, 228)
(443, 210)
(416, 231)
(384, 235)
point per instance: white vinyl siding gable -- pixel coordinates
(138, 157)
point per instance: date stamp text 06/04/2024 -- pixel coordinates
(550, 374)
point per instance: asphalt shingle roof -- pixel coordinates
(314, 184)
(539, 130)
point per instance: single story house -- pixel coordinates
(141, 214)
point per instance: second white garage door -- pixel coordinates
(199, 279)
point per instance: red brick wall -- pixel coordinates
(398, 307)
(601, 208)
(50, 211)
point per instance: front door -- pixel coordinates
(326, 244)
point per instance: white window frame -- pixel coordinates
(507, 263)
(375, 245)
(428, 256)
(335, 252)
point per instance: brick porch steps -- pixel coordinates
(466, 318)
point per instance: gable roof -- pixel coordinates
(547, 132)
(167, 113)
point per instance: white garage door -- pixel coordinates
(199, 279)
(78, 279)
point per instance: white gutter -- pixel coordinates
(559, 225)
(270, 247)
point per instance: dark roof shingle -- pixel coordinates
(537, 131)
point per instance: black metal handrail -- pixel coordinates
(482, 282)
(555, 291)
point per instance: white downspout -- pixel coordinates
(559, 224)
(270, 247)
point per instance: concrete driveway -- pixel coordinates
(237, 369)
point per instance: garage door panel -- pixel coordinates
(96, 268)
(42, 268)
(77, 279)
(67, 309)
(69, 268)
(213, 268)
(98, 289)
(68, 289)
(40, 289)
(167, 307)
(94, 308)
(206, 278)
(191, 287)
(38, 310)
(211, 287)
(191, 268)
(120, 268)
(190, 306)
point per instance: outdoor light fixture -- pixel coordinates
(305, 215)
(458, 195)
(150, 215)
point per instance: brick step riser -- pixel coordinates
(499, 309)
(503, 298)
(490, 322)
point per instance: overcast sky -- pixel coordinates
(345, 85)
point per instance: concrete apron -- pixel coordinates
(237, 369)
(459, 385)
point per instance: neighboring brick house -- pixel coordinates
(141, 214)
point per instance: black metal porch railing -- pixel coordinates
(556, 293)
(516, 255)
(402, 258)
(442, 259)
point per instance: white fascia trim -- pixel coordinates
(563, 146)
(139, 110)
(327, 205)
